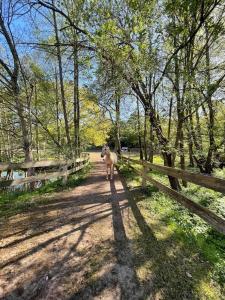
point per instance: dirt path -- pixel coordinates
(72, 247)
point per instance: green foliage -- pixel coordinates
(129, 131)
(187, 227)
(94, 125)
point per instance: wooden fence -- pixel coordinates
(214, 183)
(46, 169)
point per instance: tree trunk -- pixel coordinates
(4, 138)
(146, 99)
(170, 116)
(179, 143)
(190, 151)
(199, 159)
(76, 102)
(198, 129)
(182, 156)
(25, 133)
(63, 99)
(190, 145)
(169, 161)
(75, 97)
(117, 123)
(139, 131)
(57, 107)
(208, 164)
(145, 138)
(36, 123)
(168, 156)
(14, 75)
(151, 145)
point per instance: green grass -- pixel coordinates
(157, 159)
(219, 173)
(18, 201)
(186, 227)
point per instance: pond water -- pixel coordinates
(22, 186)
(16, 174)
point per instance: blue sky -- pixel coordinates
(33, 26)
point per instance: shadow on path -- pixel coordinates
(120, 280)
(76, 247)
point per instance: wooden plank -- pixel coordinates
(211, 182)
(74, 170)
(40, 177)
(28, 165)
(8, 183)
(37, 164)
(210, 217)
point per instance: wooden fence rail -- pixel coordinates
(65, 169)
(210, 217)
(211, 182)
(38, 164)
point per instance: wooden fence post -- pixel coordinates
(128, 161)
(65, 174)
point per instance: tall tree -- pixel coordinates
(61, 80)
(10, 80)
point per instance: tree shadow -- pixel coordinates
(38, 220)
(110, 267)
(92, 211)
(40, 231)
(120, 278)
(175, 270)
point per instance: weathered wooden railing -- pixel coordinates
(211, 182)
(64, 169)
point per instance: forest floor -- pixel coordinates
(97, 242)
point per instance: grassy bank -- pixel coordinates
(19, 201)
(170, 222)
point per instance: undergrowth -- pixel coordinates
(187, 227)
